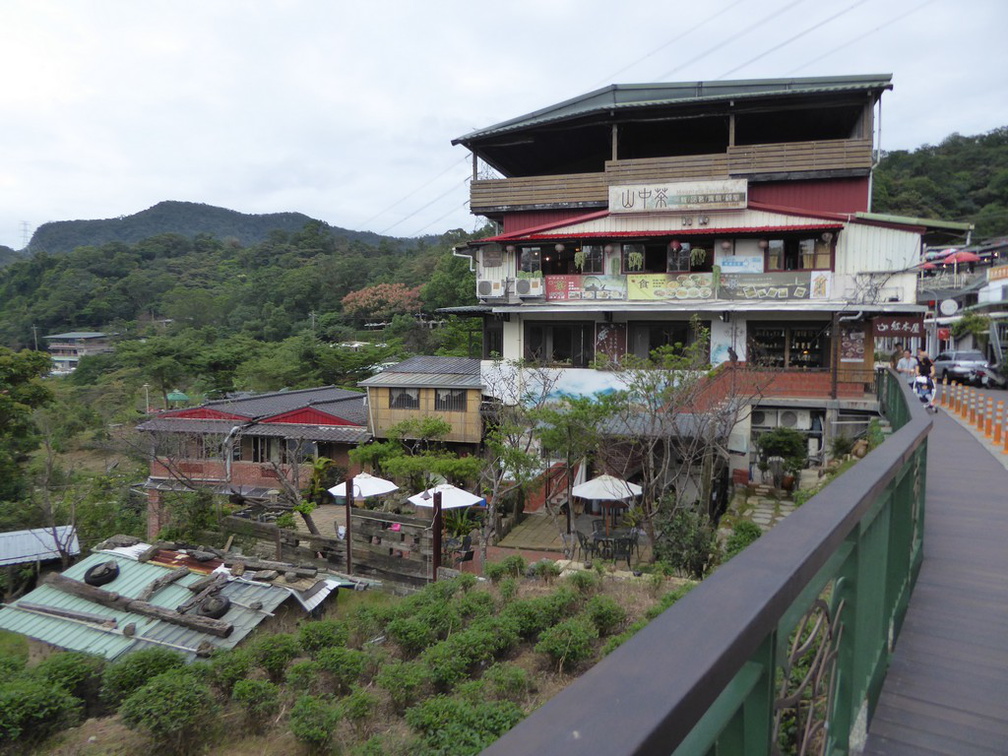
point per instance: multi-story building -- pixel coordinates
(625, 212)
(250, 447)
(67, 349)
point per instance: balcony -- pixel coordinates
(756, 161)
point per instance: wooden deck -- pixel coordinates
(946, 691)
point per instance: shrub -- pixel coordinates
(404, 681)
(475, 604)
(303, 676)
(357, 707)
(135, 670)
(618, 640)
(507, 681)
(79, 674)
(411, 634)
(227, 667)
(508, 588)
(457, 726)
(173, 709)
(344, 665)
(546, 570)
(512, 566)
(445, 664)
(584, 582)
(314, 636)
(313, 721)
(259, 699)
(667, 600)
(568, 642)
(742, 534)
(32, 709)
(605, 613)
(274, 652)
(442, 617)
(533, 615)
(688, 542)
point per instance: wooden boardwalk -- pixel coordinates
(946, 691)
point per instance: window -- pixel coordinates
(297, 451)
(775, 345)
(493, 338)
(812, 253)
(265, 449)
(678, 259)
(404, 398)
(570, 344)
(450, 400)
(594, 261)
(644, 338)
(530, 261)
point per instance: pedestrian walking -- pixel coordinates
(907, 367)
(924, 383)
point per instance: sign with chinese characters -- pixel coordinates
(576, 288)
(999, 273)
(741, 263)
(611, 340)
(670, 286)
(727, 194)
(898, 325)
(765, 286)
(492, 256)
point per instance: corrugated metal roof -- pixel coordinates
(347, 434)
(20, 546)
(618, 97)
(423, 380)
(278, 402)
(133, 577)
(77, 335)
(437, 365)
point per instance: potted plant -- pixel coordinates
(788, 444)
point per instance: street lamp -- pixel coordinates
(146, 388)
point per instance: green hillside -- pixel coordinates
(184, 218)
(965, 178)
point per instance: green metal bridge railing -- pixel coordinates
(785, 647)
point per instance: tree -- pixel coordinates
(382, 301)
(21, 392)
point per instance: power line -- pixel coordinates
(675, 39)
(799, 35)
(422, 207)
(746, 30)
(860, 37)
(417, 190)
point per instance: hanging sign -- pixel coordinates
(726, 194)
(898, 325)
(567, 288)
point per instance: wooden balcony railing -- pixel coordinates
(720, 671)
(592, 189)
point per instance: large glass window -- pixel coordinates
(554, 343)
(530, 261)
(644, 338)
(493, 338)
(592, 259)
(786, 346)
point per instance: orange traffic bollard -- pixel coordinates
(989, 419)
(971, 410)
(998, 422)
(943, 395)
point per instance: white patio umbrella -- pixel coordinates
(365, 485)
(452, 497)
(607, 488)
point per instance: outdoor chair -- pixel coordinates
(587, 546)
(622, 548)
(598, 526)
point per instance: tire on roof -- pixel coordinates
(102, 574)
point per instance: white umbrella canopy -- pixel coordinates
(365, 485)
(607, 488)
(452, 497)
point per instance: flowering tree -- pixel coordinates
(382, 301)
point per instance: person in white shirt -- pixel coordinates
(907, 366)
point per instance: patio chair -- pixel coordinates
(587, 546)
(622, 548)
(598, 526)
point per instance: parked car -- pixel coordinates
(988, 377)
(959, 365)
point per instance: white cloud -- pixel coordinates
(342, 111)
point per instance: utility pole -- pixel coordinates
(35, 332)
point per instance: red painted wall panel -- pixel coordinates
(515, 222)
(848, 195)
(307, 416)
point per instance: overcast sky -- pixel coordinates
(346, 111)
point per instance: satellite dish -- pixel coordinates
(948, 307)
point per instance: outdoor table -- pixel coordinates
(603, 545)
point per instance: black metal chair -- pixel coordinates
(466, 552)
(587, 546)
(598, 526)
(622, 548)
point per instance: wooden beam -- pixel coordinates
(252, 563)
(56, 611)
(122, 603)
(156, 585)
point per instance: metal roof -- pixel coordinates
(37, 544)
(134, 576)
(278, 402)
(78, 335)
(347, 434)
(617, 97)
(435, 372)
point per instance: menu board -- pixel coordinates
(852, 344)
(766, 286)
(568, 288)
(670, 286)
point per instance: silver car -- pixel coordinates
(960, 366)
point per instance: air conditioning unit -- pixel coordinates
(797, 419)
(529, 287)
(489, 289)
(764, 418)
